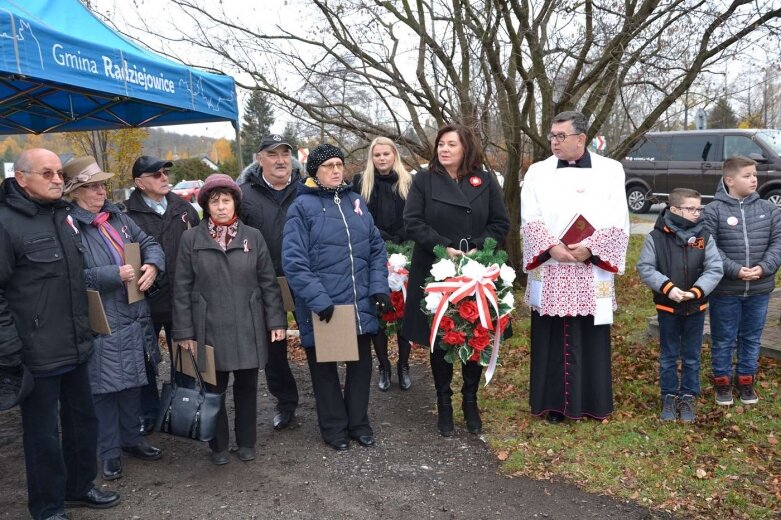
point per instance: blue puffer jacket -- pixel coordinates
(332, 254)
(747, 233)
(118, 361)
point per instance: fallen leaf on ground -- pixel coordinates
(701, 473)
(502, 455)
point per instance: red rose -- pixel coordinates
(504, 321)
(475, 356)
(388, 316)
(480, 331)
(468, 311)
(454, 337)
(479, 341)
(397, 299)
(446, 324)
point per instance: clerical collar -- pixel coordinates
(583, 162)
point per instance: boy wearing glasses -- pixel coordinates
(747, 230)
(681, 264)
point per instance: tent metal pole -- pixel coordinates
(238, 146)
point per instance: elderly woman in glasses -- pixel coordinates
(333, 254)
(117, 367)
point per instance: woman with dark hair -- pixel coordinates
(333, 254)
(384, 186)
(456, 204)
(226, 295)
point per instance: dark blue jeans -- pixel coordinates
(736, 324)
(680, 337)
(60, 438)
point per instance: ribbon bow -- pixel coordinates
(457, 288)
(404, 273)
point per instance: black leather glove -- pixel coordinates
(326, 314)
(383, 303)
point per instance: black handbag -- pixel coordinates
(188, 412)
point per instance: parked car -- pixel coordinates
(188, 190)
(663, 161)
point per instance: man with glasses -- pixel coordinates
(266, 196)
(575, 226)
(44, 328)
(163, 215)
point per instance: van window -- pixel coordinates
(740, 145)
(650, 149)
(772, 138)
(693, 148)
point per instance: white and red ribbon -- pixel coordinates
(403, 272)
(457, 288)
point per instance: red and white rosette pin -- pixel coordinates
(475, 181)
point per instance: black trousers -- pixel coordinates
(343, 415)
(245, 402)
(380, 342)
(119, 424)
(443, 375)
(59, 468)
(279, 377)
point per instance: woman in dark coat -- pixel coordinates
(117, 367)
(226, 295)
(384, 186)
(333, 254)
(457, 205)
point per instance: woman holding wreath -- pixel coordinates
(456, 204)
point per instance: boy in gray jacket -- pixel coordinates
(747, 230)
(681, 264)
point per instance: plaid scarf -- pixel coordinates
(224, 233)
(110, 236)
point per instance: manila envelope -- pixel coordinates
(133, 257)
(207, 372)
(287, 296)
(336, 340)
(97, 314)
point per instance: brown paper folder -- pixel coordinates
(336, 340)
(97, 314)
(207, 371)
(287, 296)
(133, 257)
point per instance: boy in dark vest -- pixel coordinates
(681, 264)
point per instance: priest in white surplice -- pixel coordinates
(570, 288)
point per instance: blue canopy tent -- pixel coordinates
(62, 69)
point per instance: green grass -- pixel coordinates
(725, 465)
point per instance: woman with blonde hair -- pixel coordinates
(384, 185)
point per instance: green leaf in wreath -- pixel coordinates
(464, 353)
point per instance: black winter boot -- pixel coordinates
(445, 416)
(403, 367)
(472, 415)
(381, 350)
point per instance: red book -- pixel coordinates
(578, 229)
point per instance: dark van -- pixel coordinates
(662, 161)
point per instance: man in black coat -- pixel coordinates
(164, 216)
(44, 328)
(267, 195)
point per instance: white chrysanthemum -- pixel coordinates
(397, 260)
(473, 270)
(443, 269)
(507, 274)
(509, 299)
(396, 281)
(432, 301)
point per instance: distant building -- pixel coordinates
(208, 162)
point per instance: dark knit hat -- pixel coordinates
(321, 154)
(217, 180)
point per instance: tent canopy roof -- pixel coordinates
(62, 69)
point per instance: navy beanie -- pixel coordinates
(321, 154)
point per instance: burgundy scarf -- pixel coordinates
(223, 234)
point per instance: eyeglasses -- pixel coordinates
(691, 209)
(47, 174)
(332, 166)
(560, 138)
(96, 186)
(156, 175)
